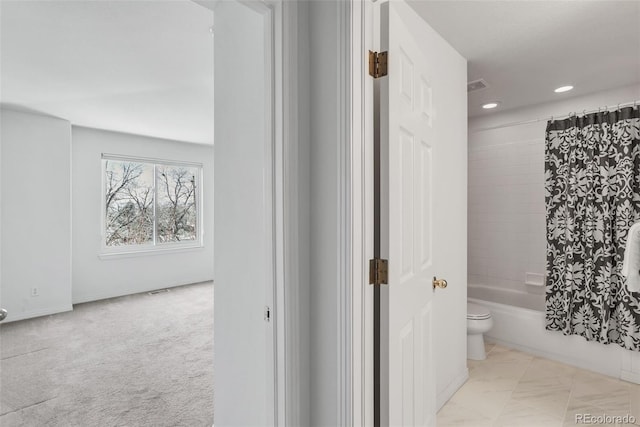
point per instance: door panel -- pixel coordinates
(408, 374)
(406, 211)
(424, 196)
(410, 98)
(426, 412)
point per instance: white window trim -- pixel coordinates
(111, 252)
(149, 252)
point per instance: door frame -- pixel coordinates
(359, 182)
(355, 181)
(282, 36)
(286, 299)
(355, 185)
(355, 217)
(284, 355)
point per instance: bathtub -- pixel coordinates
(523, 329)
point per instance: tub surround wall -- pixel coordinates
(507, 225)
(506, 219)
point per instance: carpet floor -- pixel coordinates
(136, 361)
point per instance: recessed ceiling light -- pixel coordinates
(490, 105)
(563, 89)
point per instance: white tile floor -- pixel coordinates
(512, 389)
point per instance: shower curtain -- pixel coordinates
(592, 183)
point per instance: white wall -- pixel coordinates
(95, 277)
(38, 187)
(244, 277)
(507, 235)
(304, 213)
(36, 214)
(327, 405)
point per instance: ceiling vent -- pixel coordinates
(476, 85)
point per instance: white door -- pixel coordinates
(243, 248)
(412, 186)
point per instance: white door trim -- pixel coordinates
(287, 200)
(274, 178)
(357, 222)
(285, 299)
(361, 215)
(282, 71)
(285, 304)
(285, 357)
(345, 205)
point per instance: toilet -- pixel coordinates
(479, 321)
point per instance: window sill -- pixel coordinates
(149, 252)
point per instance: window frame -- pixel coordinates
(155, 247)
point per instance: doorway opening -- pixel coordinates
(108, 197)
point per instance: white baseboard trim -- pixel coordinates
(451, 389)
(37, 313)
(524, 330)
(559, 357)
(632, 377)
(98, 296)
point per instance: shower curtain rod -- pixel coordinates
(526, 122)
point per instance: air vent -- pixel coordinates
(476, 85)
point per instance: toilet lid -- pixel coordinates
(477, 312)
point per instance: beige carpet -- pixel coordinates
(139, 360)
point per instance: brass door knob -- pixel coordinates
(439, 283)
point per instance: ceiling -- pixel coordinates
(526, 49)
(146, 67)
(141, 67)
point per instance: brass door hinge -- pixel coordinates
(377, 64)
(378, 269)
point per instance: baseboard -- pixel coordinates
(559, 357)
(37, 313)
(451, 389)
(524, 329)
(98, 296)
(632, 377)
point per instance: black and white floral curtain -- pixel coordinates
(592, 180)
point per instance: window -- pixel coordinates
(150, 204)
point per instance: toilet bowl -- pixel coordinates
(479, 321)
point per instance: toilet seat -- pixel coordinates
(477, 312)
